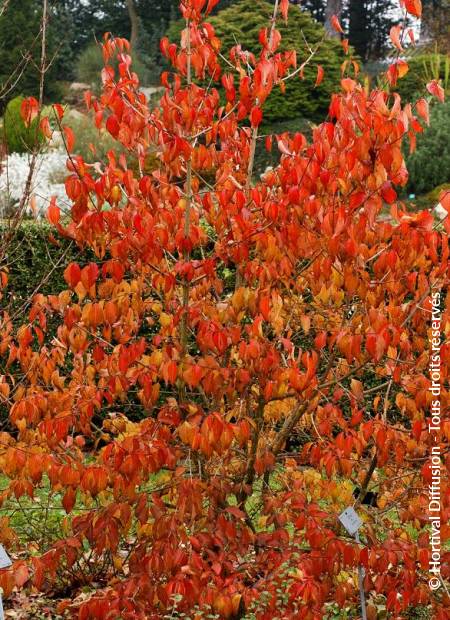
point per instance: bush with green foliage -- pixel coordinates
(88, 136)
(422, 69)
(17, 136)
(429, 165)
(241, 23)
(90, 64)
(34, 264)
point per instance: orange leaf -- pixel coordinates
(423, 110)
(21, 575)
(397, 70)
(70, 138)
(264, 306)
(394, 35)
(381, 437)
(53, 212)
(320, 74)
(336, 24)
(44, 126)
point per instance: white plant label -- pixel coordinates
(350, 520)
(5, 560)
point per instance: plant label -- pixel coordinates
(350, 520)
(5, 560)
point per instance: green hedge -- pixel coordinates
(241, 23)
(429, 165)
(33, 263)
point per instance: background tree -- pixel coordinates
(20, 27)
(301, 99)
(434, 26)
(368, 22)
(333, 7)
(316, 8)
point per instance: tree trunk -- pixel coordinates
(434, 23)
(334, 7)
(134, 20)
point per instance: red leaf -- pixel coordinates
(357, 199)
(435, 89)
(397, 70)
(417, 429)
(59, 110)
(72, 274)
(89, 275)
(414, 7)
(210, 6)
(68, 501)
(256, 116)
(113, 126)
(320, 74)
(388, 193)
(29, 109)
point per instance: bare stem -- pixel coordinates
(42, 71)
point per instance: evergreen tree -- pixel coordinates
(368, 23)
(20, 50)
(316, 8)
(242, 22)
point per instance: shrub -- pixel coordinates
(242, 22)
(18, 137)
(429, 165)
(34, 263)
(91, 143)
